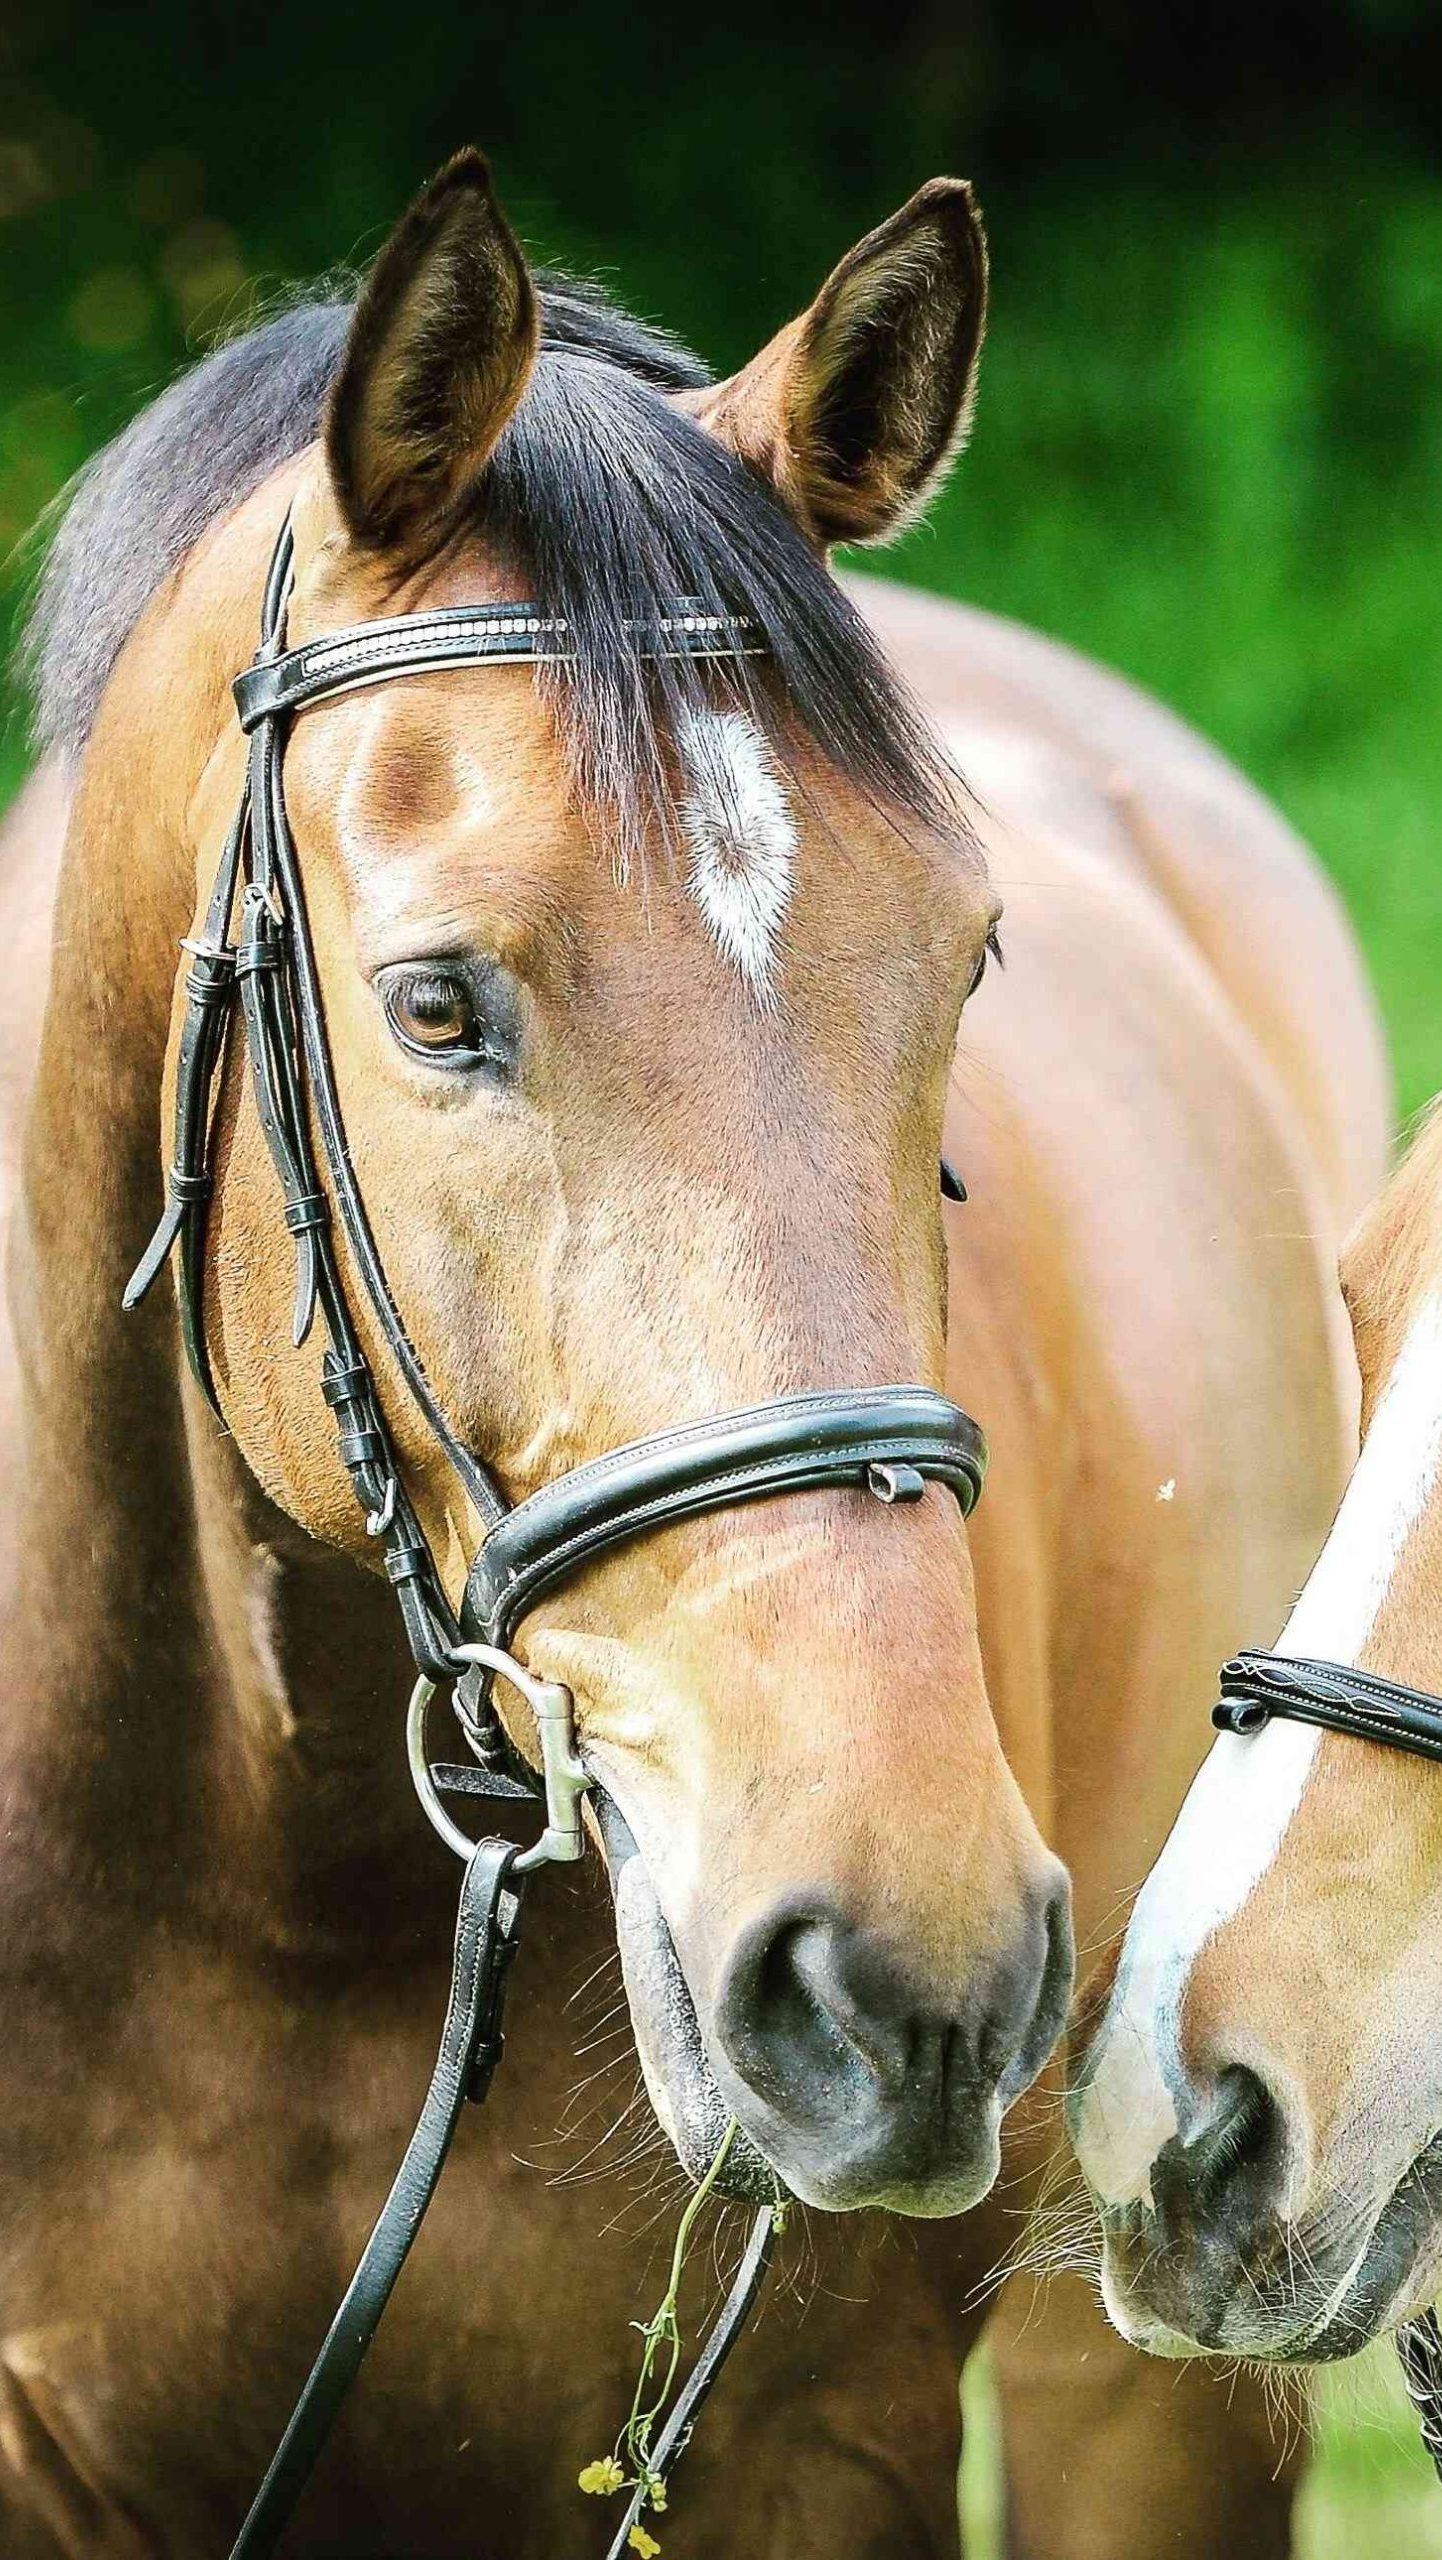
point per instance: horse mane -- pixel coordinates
(1395, 1252)
(604, 500)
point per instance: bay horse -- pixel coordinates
(1258, 2114)
(643, 989)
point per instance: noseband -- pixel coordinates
(885, 1442)
(1258, 1686)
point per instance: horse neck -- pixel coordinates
(202, 1700)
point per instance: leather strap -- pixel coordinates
(889, 1439)
(730, 2321)
(1376, 1711)
(293, 1074)
(469, 2051)
(508, 635)
(274, 867)
(1257, 1686)
(210, 986)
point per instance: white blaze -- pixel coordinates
(1248, 1788)
(740, 836)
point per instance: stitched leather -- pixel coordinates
(681, 2425)
(793, 1446)
(1341, 1699)
(210, 997)
(273, 964)
(896, 1436)
(1419, 2348)
(1257, 1686)
(460, 636)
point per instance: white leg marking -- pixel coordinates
(741, 838)
(1248, 1788)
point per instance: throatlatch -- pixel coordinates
(885, 1443)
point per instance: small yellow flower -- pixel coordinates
(656, 2492)
(601, 2479)
(638, 2539)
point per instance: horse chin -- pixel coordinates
(1399, 2273)
(679, 2080)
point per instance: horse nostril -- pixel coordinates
(1021, 2034)
(820, 2020)
(1240, 2142)
(1222, 2179)
(809, 2007)
(863, 2080)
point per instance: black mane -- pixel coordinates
(605, 501)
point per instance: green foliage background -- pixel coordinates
(1210, 440)
(1209, 446)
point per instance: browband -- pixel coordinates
(887, 1439)
(409, 644)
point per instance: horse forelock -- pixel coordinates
(604, 500)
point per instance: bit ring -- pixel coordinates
(565, 1780)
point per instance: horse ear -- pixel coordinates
(439, 352)
(858, 408)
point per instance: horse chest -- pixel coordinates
(190, 2225)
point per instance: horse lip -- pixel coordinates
(618, 1840)
(686, 2095)
(678, 2075)
(1381, 2281)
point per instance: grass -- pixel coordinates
(1372, 2488)
(1209, 450)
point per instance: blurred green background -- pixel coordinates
(1209, 447)
(1210, 439)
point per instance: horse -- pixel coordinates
(1257, 2113)
(644, 980)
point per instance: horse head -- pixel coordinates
(1258, 2109)
(642, 977)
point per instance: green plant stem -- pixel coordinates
(636, 2435)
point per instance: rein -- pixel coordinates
(1257, 1686)
(885, 1441)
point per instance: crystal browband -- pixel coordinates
(469, 635)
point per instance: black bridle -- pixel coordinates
(1257, 1686)
(885, 1441)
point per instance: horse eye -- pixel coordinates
(431, 1014)
(990, 950)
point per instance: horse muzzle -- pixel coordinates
(861, 2085)
(1222, 2262)
(850, 2086)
